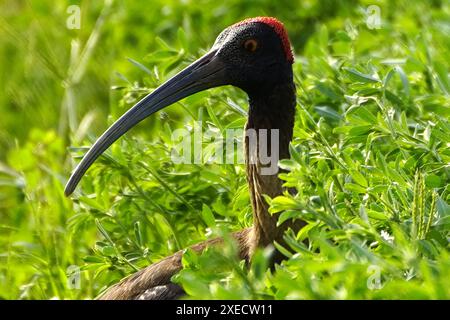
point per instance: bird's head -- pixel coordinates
(254, 55)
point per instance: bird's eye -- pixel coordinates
(251, 45)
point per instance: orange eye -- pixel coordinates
(251, 45)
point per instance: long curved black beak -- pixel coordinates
(207, 72)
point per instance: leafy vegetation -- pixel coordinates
(370, 158)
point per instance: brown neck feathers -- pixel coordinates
(268, 133)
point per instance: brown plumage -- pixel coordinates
(153, 282)
(253, 55)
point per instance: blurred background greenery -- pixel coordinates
(375, 100)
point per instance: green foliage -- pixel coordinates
(370, 158)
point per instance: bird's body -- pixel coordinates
(153, 282)
(255, 56)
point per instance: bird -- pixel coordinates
(253, 55)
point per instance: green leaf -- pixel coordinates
(354, 187)
(328, 112)
(287, 215)
(359, 178)
(376, 215)
(140, 66)
(108, 251)
(433, 181)
(92, 203)
(208, 216)
(355, 75)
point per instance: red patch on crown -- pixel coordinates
(278, 28)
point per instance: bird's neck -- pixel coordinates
(271, 120)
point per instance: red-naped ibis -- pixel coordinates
(254, 55)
